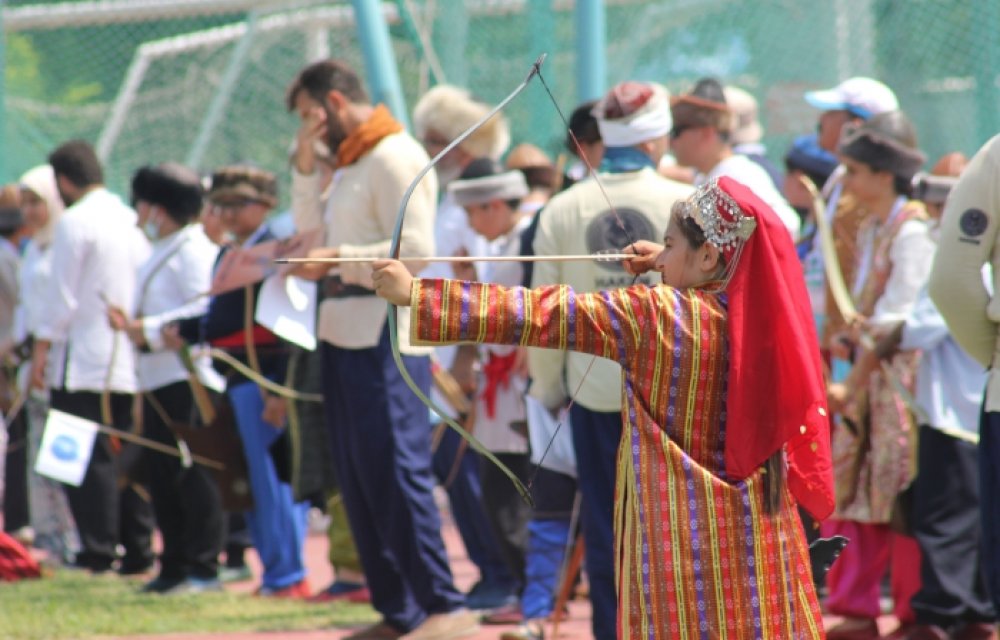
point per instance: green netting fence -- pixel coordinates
(203, 81)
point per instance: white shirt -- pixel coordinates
(96, 254)
(35, 275)
(950, 383)
(752, 175)
(495, 432)
(911, 254)
(170, 285)
(452, 233)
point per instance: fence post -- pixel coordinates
(591, 37)
(380, 62)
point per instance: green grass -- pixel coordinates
(77, 605)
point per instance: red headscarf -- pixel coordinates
(777, 396)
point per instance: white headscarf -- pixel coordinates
(42, 182)
(647, 105)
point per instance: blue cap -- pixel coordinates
(805, 154)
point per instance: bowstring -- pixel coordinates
(592, 172)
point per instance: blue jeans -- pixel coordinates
(277, 524)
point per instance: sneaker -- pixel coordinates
(344, 591)
(235, 574)
(446, 626)
(510, 613)
(530, 630)
(135, 568)
(196, 585)
(25, 535)
(484, 596)
(159, 584)
(299, 591)
(96, 569)
(854, 629)
(378, 631)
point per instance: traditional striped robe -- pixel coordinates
(697, 556)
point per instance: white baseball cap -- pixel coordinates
(864, 97)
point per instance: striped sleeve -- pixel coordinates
(605, 323)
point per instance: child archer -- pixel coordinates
(724, 418)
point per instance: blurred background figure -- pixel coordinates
(51, 520)
(748, 132)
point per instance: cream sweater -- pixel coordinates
(968, 240)
(580, 221)
(360, 216)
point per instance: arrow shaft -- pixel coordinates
(609, 257)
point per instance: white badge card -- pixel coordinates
(67, 444)
(287, 306)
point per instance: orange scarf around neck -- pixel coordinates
(370, 133)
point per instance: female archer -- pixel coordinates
(724, 418)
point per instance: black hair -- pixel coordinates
(902, 186)
(481, 168)
(689, 229)
(77, 162)
(320, 78)
(583, 125)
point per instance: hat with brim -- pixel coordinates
(831, 100)
(860, 96)
(882, 153)
(704, 106)
(243, 183)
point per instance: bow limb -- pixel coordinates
(397, 233)
(842, 298)
(831, 266)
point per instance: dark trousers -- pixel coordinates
(507, 510)
(946, 526)
(15, 482)
(237, 538)
(378, 431)
(596, 435)
(105, 514)
(989, 501)
(186, 501)
(460, 477)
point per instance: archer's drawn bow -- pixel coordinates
(394, 253)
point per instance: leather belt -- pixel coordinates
(334, 287)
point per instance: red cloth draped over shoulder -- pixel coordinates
(777, 395)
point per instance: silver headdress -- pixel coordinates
(721, 219)
(719, 216)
